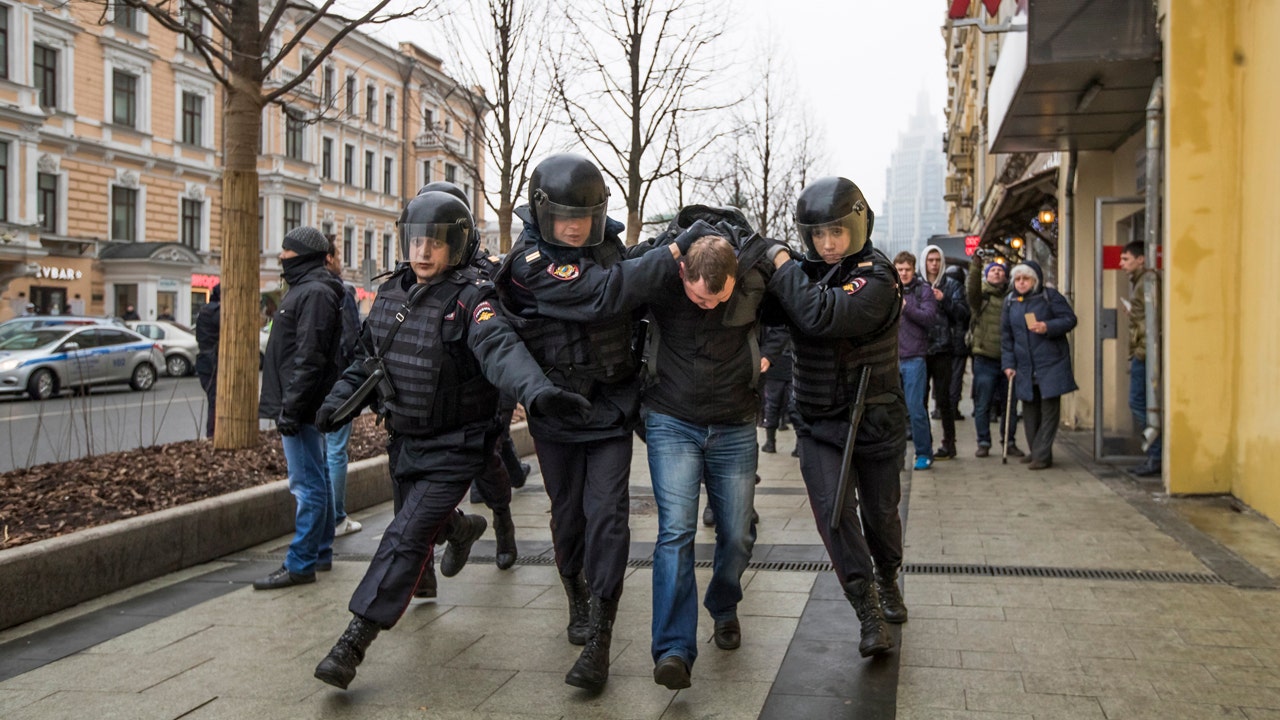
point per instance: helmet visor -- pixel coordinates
(833, 240)
(569, 225)
(422, 240)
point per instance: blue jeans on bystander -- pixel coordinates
(1138, 404)
(336, 457)
(914, 376)
(309, 483)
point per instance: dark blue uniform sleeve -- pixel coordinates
(584, 290)
(504, 359)
(848, 310)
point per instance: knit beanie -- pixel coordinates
(305, 241)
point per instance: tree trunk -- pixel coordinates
(237, 405)
(504, 225)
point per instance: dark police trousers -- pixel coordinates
(875, 496)
(428, 483)
(777, 401)
(590, 502)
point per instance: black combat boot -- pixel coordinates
(770, 440)
(504, 532)
(891, 602)
(338, 668)
(427, 582)
(592, 668)
(465, 530)
(866, 603)
(579, 628)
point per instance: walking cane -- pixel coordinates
(1008, 423)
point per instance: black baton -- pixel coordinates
(847, 475)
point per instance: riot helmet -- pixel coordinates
(446, 186)
(570, 190)
(826, 206)
(436, 218)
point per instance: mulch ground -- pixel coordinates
(58, 498)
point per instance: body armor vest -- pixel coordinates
(826, 369)
(574, 355)
(438, 382)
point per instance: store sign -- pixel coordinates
(971, 243)
(167, 284)
(58, 273)
(203, 281)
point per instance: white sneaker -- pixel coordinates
(346, 527)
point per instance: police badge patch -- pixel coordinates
(484, 311)
(563, 272)
(854, 285)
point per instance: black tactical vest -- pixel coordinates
(826, 369)
(575, 355)
(438, 382)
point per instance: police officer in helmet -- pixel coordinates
(435, 347)
(571, 296)
(843, 299)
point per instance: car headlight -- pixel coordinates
(7, 365)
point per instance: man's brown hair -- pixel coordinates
(905, 257)
(710, 259)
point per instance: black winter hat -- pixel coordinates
(305, 241)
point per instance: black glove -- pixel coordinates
(562, 404)
(685, 240)
(287, 425)
(324, 419)
(773, 247)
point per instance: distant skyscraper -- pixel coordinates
(914, 209)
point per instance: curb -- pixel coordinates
(50, 575)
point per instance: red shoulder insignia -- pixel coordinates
(484, 311)
(854, 285)
(564, 272)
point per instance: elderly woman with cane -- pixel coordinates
(1035, 355)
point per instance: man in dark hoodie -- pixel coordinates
(952, 319)
(301, 364)
(919, 311)
(208, 330)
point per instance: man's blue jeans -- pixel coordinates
(309, 483)
(681, 454)
(1138, 404)
(914, 376)
(987, 376)
(336, 456)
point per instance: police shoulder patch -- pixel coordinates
(484, 311)
(568, 271)
(854, 285)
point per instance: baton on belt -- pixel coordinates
(847, 474)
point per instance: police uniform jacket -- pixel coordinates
(301, 362)
(844, 317)
(574, 308)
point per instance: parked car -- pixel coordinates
(45, 361)
(178, 341)
(9, 328)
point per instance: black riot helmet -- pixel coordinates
(438, 217)
(569, 187)
(446, 186)
(830, 202)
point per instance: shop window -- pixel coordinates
(47, 202)
(124, 214)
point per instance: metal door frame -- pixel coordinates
(1099, 204)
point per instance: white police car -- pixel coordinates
(44, 361)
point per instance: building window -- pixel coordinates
(293, 133)
(47, 202)
(369, 260)
(124, 98)
(428, 119)
(192, 118)
(44, 65)
(194, 24)
(124, 16)
(292, 214)
(4, 41)
(326, 229)
(262, 226)
(426, 171)
(371, 103)
(391, 111)
(348, 164)
(124, 214)
(386, 175)
(4, 181)
(326, 158)
(386, 251)
(450, 173)
(326, 86)
(192, 220)
(368, 169)
(351, 94)
(348, 245)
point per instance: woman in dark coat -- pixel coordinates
(1035, 353)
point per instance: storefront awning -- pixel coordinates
(1019, 204)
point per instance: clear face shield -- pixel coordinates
(832, 241)
(569, 225)
(420, 241)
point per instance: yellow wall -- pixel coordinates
(1223, 343)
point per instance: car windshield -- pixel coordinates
(31, 339)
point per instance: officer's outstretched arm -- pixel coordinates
(856, 308)
(586, 291)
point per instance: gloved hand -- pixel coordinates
(562, 404)
(699, 228)
(287, 426)
(324, 419)
(774, 249)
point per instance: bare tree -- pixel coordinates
(511, 35)
(250, 39)
(630, 70)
